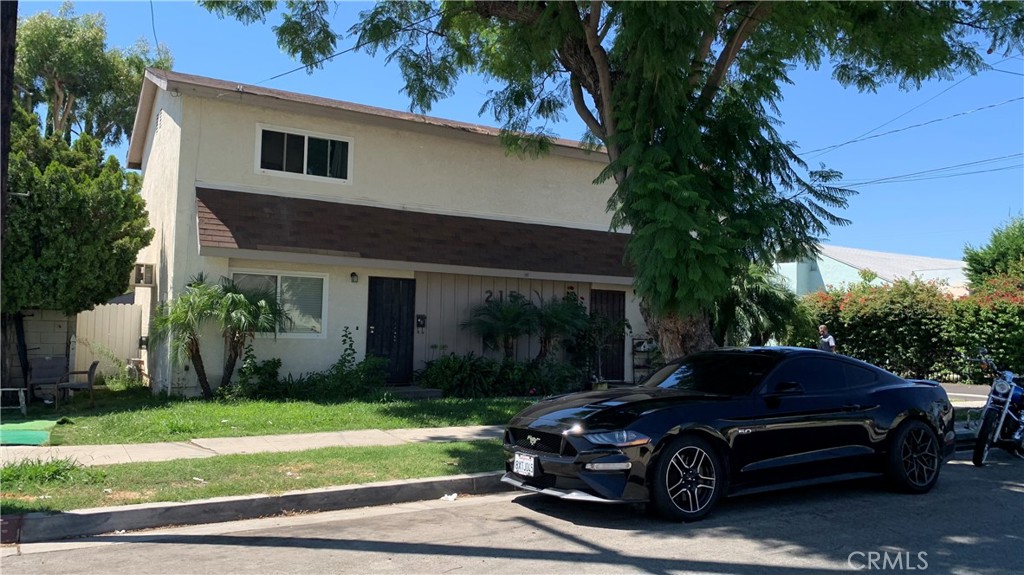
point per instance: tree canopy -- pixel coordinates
(1003, 255)
(75, 225)
(63, 62)
(681, 96)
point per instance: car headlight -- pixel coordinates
(1001, 387)
(620, 438)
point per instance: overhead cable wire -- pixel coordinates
(937, 173)
(937, 177)
(829, 149)
(357, 46)
(905, 128)
(152, 21)
(951, 167)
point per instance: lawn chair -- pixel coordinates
(64, 388)
(44, 373)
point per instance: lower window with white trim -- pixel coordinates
(303, 298)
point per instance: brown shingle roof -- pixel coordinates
(263, 222)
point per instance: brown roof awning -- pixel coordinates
(273, 223)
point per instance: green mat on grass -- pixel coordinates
(36, 432)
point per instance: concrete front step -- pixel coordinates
(413, 392)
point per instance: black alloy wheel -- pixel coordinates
(986, 436)
(689, 479)
(914, 457)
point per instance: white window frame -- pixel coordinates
(258, 159)
(279, 273)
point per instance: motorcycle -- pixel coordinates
(1002, 422)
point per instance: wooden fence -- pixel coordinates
(108, 333)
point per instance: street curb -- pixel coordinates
(38, 527)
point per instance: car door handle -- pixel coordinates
(852, 407)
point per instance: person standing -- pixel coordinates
(826, 342)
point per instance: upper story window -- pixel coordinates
(305, 154)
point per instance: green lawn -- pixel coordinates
(135, 416)
(61, 486)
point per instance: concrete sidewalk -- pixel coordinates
(214, 446)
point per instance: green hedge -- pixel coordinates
(914, 329)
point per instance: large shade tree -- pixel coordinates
(680, 96)
(63, 62)
(75, 220)
(1003, 255)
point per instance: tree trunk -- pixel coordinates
(9, 22)
(679, 336)
(229, 364)
(197, 362)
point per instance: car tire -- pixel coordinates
(986, 436)
(915, 457)
(689, 479)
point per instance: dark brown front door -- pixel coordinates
(389, 330)
(611, 304)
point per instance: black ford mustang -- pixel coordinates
(732, 420)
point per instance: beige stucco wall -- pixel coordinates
(464, 175)
(161, 190)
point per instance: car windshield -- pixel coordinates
(723, 373)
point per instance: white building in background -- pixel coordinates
(836, 266)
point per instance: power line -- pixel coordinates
(937, 177)
(936, 173)
(905, 128)
(1007, 72)
(152, 21)
(345, 51)
(830, 149)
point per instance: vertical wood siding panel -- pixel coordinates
(474, 297)
(435, 319)
(462, 304)
(448, 308)
(419, 346)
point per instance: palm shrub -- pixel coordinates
(557, 319)
(181, 320)
(759, 306)
(501, 321)
(242, 313)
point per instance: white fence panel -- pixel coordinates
(108, 332)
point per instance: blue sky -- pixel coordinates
(971, 124)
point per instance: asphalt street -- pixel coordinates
(970, 523)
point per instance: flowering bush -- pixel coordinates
(912, 328)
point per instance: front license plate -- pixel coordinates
(523, 464)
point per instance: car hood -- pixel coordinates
(607, 409)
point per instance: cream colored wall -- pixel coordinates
(401, 168)
(162, 191)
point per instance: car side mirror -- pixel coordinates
(786, 388)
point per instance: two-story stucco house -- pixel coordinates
(392, 225)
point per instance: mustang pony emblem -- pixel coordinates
(533, 440)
